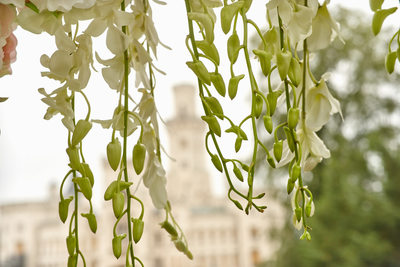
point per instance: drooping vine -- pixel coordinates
(277, 76)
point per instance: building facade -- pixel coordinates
(219, 235)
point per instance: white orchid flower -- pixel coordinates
(324, 29)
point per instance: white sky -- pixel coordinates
(32, 150)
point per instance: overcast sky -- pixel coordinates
(32, 150)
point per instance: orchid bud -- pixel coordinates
(233, 85)
(212, 124)
(227, 14)
(72, 259)
(283, 61)
(379, 17)
(271, 161)
(259, 106)
(84, 185)
(289, 138)
(215, 106)
(86, 171)
(138, 226)
(238, 143)
(237, 204)
(117, 245)
(114, 153)
(71, 244)
(209, 50)
(218, 83)
(63, 208)
(289, 186)
(217, 163)
(278, 147)
(180, 246)
(188, 254)
(297, 212)
(200, 71)
(138, 157)
(272, 101)
(73, 155)
(237, 173)
(112, 188)
(91, 220)
(294, 72)
(265, 60)
(390, 61)
(268, 123)
(293, 117)
(81, 130)
(169, 228)
(295, 173)
(233, 47)
(118, 203)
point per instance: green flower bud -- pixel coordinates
(233, 47)
(233, 85)
(86, 171)
(180, 246)
(138, 226)
(295, 173)
(91, 220)
(71, 244)
(237, 204)
(114, 153)
(293, 117)
(169, 228)
(289, 138)
(215, 106)
(278, 147)
(272, 100)
(308, 209)
(81, 130)
(63, 208)
(289, 186)
(218, 83)
(209, 50)
(271, 161)
(265, 60)
(73, 155)
(189, 254)
(294, 72)
(138, 157)
(379, 18)
(390, 61)
(237, 173)
(72, 259)
(259, 106)
(297, 212)
(245, 167)
(84, 185)
(238, 143)
(375, 4)
(200, 71)
(217, 163)
(268, 123)
(283, 62)
(117, 245)
(206, 21)
(118, 203)
(112, 188)
(212, 124)
(227, 14)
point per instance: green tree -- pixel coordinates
(357, 190)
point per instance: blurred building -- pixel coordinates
(219, 235)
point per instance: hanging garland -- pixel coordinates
(296, 28)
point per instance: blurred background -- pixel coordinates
(356, 191)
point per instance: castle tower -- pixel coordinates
(188, 179)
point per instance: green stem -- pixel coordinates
(124, 155)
